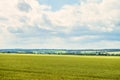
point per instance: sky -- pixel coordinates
(60, 24)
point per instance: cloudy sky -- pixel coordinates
(70, 24)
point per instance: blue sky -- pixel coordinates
(70, 24)
(57, 4)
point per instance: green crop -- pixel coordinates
(53, 67)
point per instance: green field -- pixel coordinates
(53, 67)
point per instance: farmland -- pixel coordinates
(58, 67)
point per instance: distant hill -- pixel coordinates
(64, 51)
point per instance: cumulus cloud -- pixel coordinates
(94, 15)
(23, 6)
(27, 22)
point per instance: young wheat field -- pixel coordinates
(58, 67)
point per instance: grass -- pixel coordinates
(53, 67)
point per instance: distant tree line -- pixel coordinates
(101, 52)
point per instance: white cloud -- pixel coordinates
(104, 44)
(28, 18)
(91, 14)
(83, 38)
